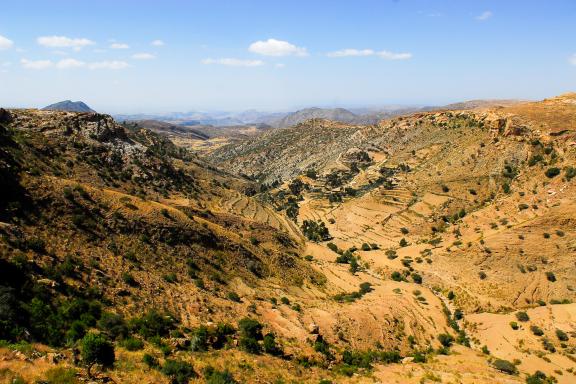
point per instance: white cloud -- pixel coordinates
(157, 43)
(280, 65)
(5, 43)
(119, 46)
(108, 65)
(234, 62)
(70, 63)
(36, 64)
(350, 52)
(143, 56)
(484, 16)
(273, 47)
(63, 42)
(572, 59)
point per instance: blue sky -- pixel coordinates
(159, 56)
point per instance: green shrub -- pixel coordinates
(552, 172)
(366, 247)
(180, 372)
(150, 361)
(133, 344)
(561, 335)
(96, 349)
(234, 297)
(285, 300)
(250, 334)
(153, 324)
(397, 276)
(170, 278)
(212, 376)
(315, 230)
(536, 330)
(129, 279)
(113, 325)
(270, 345)
(522, 316)
(417, 278)
(505, 366)
(445, 339)
(514, 325)
(550, 276)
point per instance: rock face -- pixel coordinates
(69, 106)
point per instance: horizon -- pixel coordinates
(252, 55)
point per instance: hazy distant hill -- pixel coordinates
(170, 129)
(334, 114)
(69, 106)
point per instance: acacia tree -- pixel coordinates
(96, 349)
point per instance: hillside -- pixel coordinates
(69, 106)
(478, 203)
(158, 247)
(396, 252)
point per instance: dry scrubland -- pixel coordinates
(432, 247)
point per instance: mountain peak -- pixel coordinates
(69, 106)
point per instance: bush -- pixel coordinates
(417, 278)
(552, 172)
(514, 325)
(61, 375)
(539, 378)
(366, 247)
(445, 339)
(133, 344)
(213, 376)
(403, 242)
(250, 334)
(397, 276)
(536, 330)
(234, 297)
(550, 276)
(150, 361)
(113, 325)
(129, 279)
(522, 316)
(96, 349)
(482, 275)
(505, 366)
(180, 372)
(170, 278)
(285, 300)
(561, 335)
(153, 324)
(270, 345)
(315, 230)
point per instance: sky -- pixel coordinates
(128, 56)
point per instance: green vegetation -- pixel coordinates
(315, 230)
(505, 366)
(522, 316)
(179, 372)
(96, 349)
(350, 297)
(552, 172)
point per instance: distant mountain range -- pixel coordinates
(69, 106)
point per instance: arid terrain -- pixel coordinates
(432, 247)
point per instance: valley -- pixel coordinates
(434, 246)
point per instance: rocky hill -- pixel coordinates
(69, 106)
